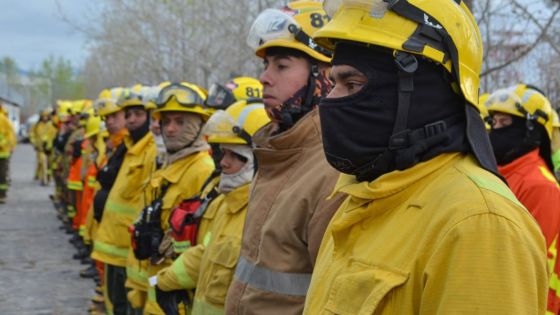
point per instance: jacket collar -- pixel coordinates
(305, 132)
(237, 199)
(138, 147)
(392, 182)
(174, 171)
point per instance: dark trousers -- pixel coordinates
(4, 164)
(115, 277)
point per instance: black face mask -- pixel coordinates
(357, 129)
(140, 132)
(512, 142)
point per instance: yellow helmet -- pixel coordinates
(237, 124)
(47, 111)
(63, 110)
(181, 97)
(441, 30)
(106, 103)
(94, 125)
(555, 119)
(291, 27)
(151, 93)
(523, 102)
(134, 96)
(240, 88)
(78, 106)
(484, 114)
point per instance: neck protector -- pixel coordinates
(140, 132)
(371, 132)
(187, 136)
(513, 141)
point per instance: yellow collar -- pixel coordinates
(392, 182)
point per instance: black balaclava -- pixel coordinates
(357, 129)
(141, 131)
(306, 98)
(519, 138)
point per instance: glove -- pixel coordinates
(169, 301)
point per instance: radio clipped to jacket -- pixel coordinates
(146, 233)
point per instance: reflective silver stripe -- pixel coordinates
(265, 279)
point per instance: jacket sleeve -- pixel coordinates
(486, 264)
(183, 273)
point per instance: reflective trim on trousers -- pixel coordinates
(270, 280)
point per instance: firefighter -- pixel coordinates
(130, 166)
(7, 146)
(522, 126)
(221, 96)
(428, 226)
(182, 115)
(288, 211)
(199, 267)
(105, 145)
(42, 136)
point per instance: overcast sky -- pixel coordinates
(31, 30)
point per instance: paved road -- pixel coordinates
(37, 272)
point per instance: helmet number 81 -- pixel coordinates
(251, 92)
(318, 20)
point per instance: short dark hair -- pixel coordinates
(285, 51)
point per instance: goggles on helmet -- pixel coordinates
(183, 95)
(274, 24)
(219, 97)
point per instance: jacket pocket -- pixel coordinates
(362, 288)
(223, 258)
(134, 177)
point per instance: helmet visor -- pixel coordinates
(219, 97)
(221, 125)
(270, 25)
(182, 94)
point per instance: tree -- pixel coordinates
(148, 42)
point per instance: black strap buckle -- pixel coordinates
(399, 140)
(406, 62)
(435, 128)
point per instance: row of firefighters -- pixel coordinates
(270, 197)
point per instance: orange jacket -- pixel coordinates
(90, 185)
(536, 188)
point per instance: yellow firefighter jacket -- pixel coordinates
(209, 267)
(125, 201)
(442, 237)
